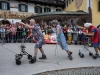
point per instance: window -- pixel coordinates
(67, 4)
(70, 1)
(47, 9)
(38, 9)
(4, 5)
(58, 9)
(61, 0)
(23, 8)
(99, 6)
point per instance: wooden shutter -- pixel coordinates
(99, 6)
(40, 9)
(49, 10)
(19, 7)
(36, 9)
(8, 6)
(0, 5)
(26, 8)
(44, 9)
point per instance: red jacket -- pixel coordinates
(96, 38)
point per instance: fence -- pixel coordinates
(74, 71)
(11, 37)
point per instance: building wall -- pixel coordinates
(84, 7)
(31, 8)
(13, 3)
(72, 6)
(95, 13)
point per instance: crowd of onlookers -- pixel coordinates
(15, 33)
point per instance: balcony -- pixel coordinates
(6, 14)
(56, 3)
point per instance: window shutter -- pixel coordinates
(0, 5)
(49, 10)
(35, 10)
(67, 3)
(26, 8)
(40, 9)
(99, 6)
(44, 9)
(19, 7)
(8, 6)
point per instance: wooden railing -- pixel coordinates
(51, 2)
(15, 15)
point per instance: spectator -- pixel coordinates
(46, 29)
(2, 30)
(65, 32)
(80, 36)
(7, 33)
(13, 33)
(19, 33)
(29, 33)
(24, 32)
(69, 33)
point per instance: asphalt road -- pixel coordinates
(9, 67)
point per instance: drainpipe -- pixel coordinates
(90, 11)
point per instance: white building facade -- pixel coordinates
(15, 11)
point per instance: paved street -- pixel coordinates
(8, 66)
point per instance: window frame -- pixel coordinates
(19, 7)
(7, 5)
(47, 9)
(36, 10)
(58, 9)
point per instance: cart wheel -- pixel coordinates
(94, 57)
(80, 43)
(18, 62)
(90, 54)
(75, 43)
(29, 56)
(79, 53)
(82, 55)
(33, 60)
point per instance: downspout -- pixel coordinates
(90, 11)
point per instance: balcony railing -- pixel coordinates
(13, 14)
(60, 3)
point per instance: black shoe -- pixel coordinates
(70, 54)
(97, 55)
(33, 60)
(43, 57)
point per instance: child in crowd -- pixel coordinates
(69, 34)
(2, 31)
